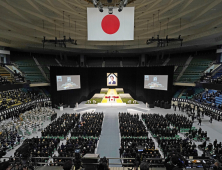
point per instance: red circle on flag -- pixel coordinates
(110, 24)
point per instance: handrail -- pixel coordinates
(199, 105)
(24, 105)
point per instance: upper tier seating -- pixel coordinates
(5, 76)
(178, 60)
(28, 66)
(196, 67)
(192, 90)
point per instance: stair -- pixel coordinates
(216, 70)
(182, 93)
(40, 68)
(6, 73)
(185, 67)
(175, 68)
(165, 62)
(58, 62)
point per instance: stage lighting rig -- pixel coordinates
(95, 2)
(110, 4)
(100, 7)
(164, 42)
(61, 43)
(110, 10)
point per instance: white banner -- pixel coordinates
(103, 26)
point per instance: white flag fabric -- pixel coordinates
(103, 26)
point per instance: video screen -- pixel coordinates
(156, 82)
(68, 82)
(112, 79)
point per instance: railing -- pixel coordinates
(24, 105)
(207, 162)
(216, 110)
(36, 163)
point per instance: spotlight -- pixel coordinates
(100, 7)
(125, 2)
(120, 6)
(95, 2)
(110, 10)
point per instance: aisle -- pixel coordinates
(109, 142)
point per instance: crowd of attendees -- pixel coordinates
(4, 80)
(18, 77)
(17, 96)
(179, 121)
(209, 99)
(198, 135)
(207, 77)
(84, 144)
(135, 142)
(37, 147)
(159, 125)
(130, 125)
(90, 125)
(185, 147)
(62, 125)
(139, 148)
(167, 137)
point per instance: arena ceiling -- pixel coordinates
(23, 23)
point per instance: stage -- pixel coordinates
(111, 97)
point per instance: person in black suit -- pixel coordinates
(199, 123)
(211, 119)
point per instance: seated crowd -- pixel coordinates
(90, 125)
(209, 99)
(134, 141)
(130, 125)
(132, 147)
(197, 135)
(16, 97)
(159, 125)
(179, 121)
(18, 77)
(61, 126)
(85, 145)
(185, 147)
(37, 147)
(4, 80)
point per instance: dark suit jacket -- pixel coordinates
(113, 82)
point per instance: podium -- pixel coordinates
(61, 108)
(87, 159)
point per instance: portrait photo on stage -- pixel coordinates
(112, 79)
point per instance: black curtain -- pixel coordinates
(131, 79)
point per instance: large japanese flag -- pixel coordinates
(103, 26)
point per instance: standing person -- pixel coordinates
(199, 122)
(192, 117)
(175, 107)
(179, 106)
(211, 118)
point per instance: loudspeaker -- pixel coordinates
(87, 159)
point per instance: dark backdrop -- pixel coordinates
(131, 79)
